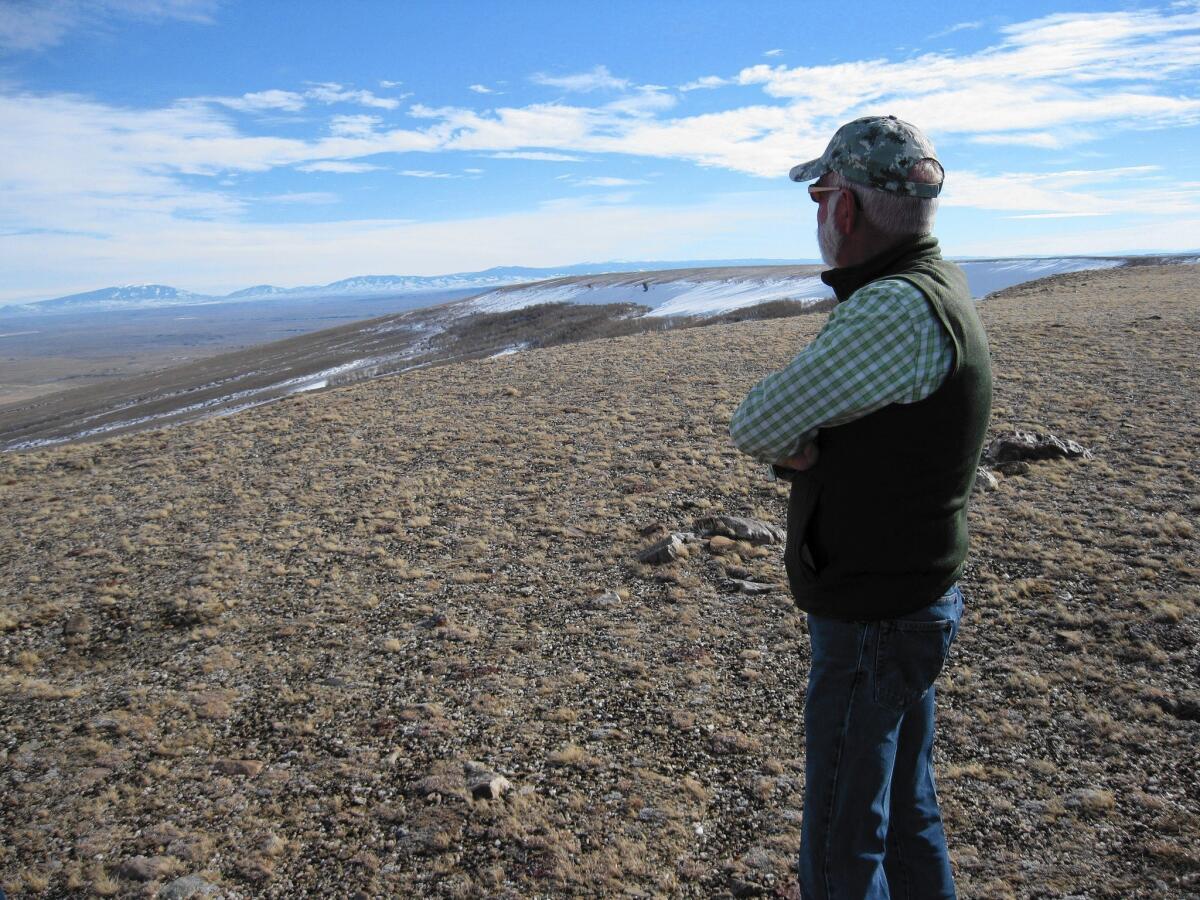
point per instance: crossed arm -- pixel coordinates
(883, 345)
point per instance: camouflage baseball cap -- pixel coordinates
(876, 151)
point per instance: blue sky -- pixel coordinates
(214, 145)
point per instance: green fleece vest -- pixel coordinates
(878, 527)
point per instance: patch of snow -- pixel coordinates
(986, 276)
(707, 298)
(672, 298)
(508, 351)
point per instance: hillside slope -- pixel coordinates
(274, 651)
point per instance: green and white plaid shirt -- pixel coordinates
(884, 344)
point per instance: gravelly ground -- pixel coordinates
(265, 649)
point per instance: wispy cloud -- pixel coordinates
(597, 79)
(480, 89)
(303, 197)
(954, 29)
(707, 83)
(33, 26)
(358, 126)
(332, 92)
(427, 173)
(339, 168)
(538, 155)
(259, 101)
(607, 181)
(776, 52)
(293, 101)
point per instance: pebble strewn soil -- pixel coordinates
(394, 639)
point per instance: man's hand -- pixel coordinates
(802, 461)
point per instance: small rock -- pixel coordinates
(740, 887)
(148, 868)
(247, 767)
(720, 544)
(752, 588)
(1015, 446)
(985, 480)
(491, 788)
(78, 624)
(607, 600)
(187, 887)
(667, 550)
(1186, 707)
(1014, 467)
(740, 528)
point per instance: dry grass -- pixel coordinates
(269, 649)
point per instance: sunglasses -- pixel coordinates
(815, 192)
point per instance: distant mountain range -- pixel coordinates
(157, 296)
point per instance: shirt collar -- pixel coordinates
(845, 281)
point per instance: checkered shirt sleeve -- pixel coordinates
(883, 345)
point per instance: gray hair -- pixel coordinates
(897, 215)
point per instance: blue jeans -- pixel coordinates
(872, 829)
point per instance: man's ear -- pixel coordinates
(846, 214)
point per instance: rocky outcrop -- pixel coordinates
(1023, 446)
(739, 528)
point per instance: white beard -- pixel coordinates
(829, 239)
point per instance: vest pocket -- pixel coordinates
(802, 508)
(908, 659)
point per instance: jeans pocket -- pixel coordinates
(908, 659)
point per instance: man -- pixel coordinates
(879, 423)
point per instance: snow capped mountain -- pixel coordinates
(259, 290)
(672, 288)
(130, 296)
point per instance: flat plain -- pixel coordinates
(291, 652)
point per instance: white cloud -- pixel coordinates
(332, 92)
(597, 79)
(646, 101)
(36, 26)
(480, 89)
(539, 155)
(354, 126)
(303, 197)
(776, 52)
(293, 101)
(288, 101)
(706, 83)
(388, 85)
(426, 173)
(607, 181)
(101, 168)
(954, 29)
(339, 168)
